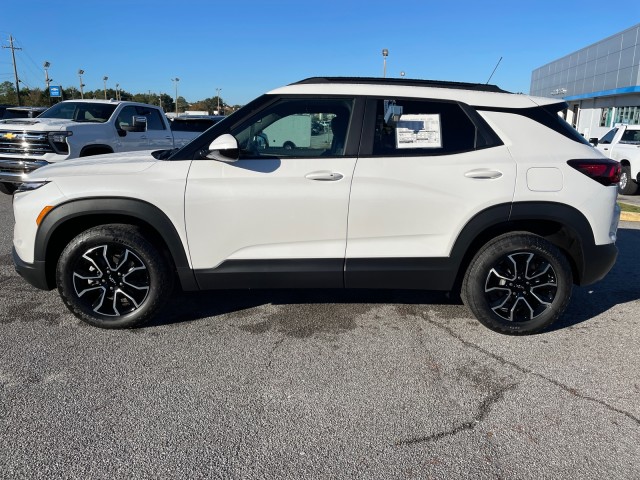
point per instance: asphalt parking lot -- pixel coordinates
(320, 384)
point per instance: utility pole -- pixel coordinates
(218, 95)
(15, 70)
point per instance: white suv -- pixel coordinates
(414, 184)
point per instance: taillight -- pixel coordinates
(604, 170)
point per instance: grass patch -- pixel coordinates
(629, 208)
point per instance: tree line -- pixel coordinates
(37, 97)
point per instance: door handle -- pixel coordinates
(143, 137)
(168, 138)
(324, 176)
(605, 149)
(483, 174)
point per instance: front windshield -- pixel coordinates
(81, 111)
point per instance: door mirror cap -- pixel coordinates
(593, 141)
(225, 148)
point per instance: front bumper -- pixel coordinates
(35, 273)
(14, 170)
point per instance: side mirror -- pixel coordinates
(225, 148)
(593, 141)
(138, 124)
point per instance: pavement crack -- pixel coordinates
(275, 346)
(572, 391)
(481, 415)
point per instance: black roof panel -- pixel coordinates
(482, 87)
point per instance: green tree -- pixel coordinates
(8, 93)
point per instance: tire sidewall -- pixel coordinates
(124, 236)
(475, 279)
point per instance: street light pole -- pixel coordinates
(385, 54)
(104, 79)
(118, 91)
(47, 80)
(176, 80)
(80, 73)
(218, 97)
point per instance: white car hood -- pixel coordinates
(109, 164)
(36, 124)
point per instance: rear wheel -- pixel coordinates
(518, 283)
(111, 276)
(627, 186)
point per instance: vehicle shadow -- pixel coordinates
(621, 285)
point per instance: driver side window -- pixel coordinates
(297, 128)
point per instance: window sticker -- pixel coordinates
(419, 131)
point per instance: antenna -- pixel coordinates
(494, 70)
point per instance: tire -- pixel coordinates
(518, 284)
(8, 188)
(111, 276)
(627, 186)
(288, 145)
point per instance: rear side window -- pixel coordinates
(154, 119)
(631, 137)
(423, 127)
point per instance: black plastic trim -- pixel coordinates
(131, 207)
(289, 273)
(34, 273)
(592, 261)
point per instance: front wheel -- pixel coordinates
(627, 186)
(111, 276)
(517, 284)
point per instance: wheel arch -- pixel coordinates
(96, 149)
(564, 226)
(69, 219)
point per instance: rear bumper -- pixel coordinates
(598, 261)
(34, 273)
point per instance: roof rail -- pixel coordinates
(482, 87)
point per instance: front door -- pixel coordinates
(277, 217)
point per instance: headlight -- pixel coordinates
(59, 141)
(29, 186)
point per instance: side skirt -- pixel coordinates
(384, 273)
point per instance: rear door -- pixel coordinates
(427, 168)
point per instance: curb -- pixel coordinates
(630, 217)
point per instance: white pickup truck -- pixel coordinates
(79, 128)
(623, 144)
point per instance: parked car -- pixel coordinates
(424, 185)
(622, 143)
(79, 128)
(186, 128)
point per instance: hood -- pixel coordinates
(35, 124)
(110, 164)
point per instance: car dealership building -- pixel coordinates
(601, 83)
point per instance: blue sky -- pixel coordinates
(248, 47)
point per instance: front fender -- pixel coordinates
(90, 211)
